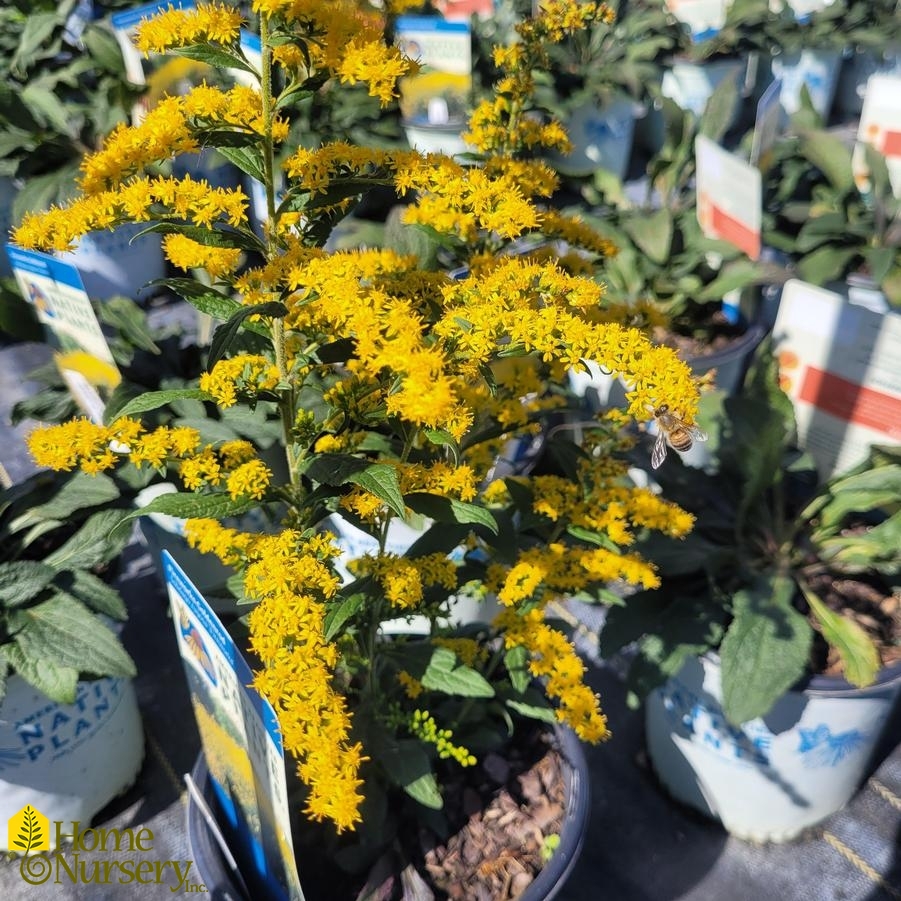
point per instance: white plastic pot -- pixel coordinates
(775, 776)
(601, 138)
(67, 760)
(817, 69)
(113, 263)
(690, 86)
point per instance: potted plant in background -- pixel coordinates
(837, 216)
(806, 50)
(395, 386)
(770, 659)
(873, 35)
(599, 82)
(64, 88)
(703, 59)
(70, 729)
(674, 276)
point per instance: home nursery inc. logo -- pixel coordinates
(91, 856)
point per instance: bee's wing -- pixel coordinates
(696, 433)
(658, 454)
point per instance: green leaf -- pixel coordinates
(56, 681)
(22, 580)
(80, 492)
(153, 400)
(516, 660)
(247, 159)
(128, 318)
(97, 541)
(48, 107)
(445, 439)
(720, 109)
(219, 56)
(95, 593)
(590, 537)
(444, 509)
(652, 233)
(859, 655)
(540, 712)
(338, 614)
(766, 648)
(209, 237)
(830, 155)
(407, 765)
(195, 506)
(378, 478)
(63, 631)
(445, 675)
(226, 334)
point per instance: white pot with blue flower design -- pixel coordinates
(774, 776)
(601, 137)
(813, 68)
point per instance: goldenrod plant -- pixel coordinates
(399, 390)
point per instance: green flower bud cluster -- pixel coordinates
(424, 727)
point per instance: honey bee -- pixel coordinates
(672, 431)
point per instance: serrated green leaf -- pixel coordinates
(23, 580)
(195, 506)
(153, 400)
(96, 594)
(340, 613)
(381, 480)
(444, 509)
(765, 650)
(56, 681)
(63, 631)
(98, 541)
(860, 658)
(80, 492)
(445, 674)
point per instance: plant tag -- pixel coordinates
(159, 72)
(704, 18)
(838, 362)
(439, 95)
(729, 197)
(241, 741)
(767, 125)
(880, 126)
(62, 305)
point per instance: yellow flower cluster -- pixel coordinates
(246, 374)
(208, 22)
(95, 447)
(289, 577)
(404, 579)
(424, 727)
(315, 170)
(554, 659)
(59, 228)
(377, 65)
(219, 262)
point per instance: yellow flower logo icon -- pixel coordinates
(29, 830)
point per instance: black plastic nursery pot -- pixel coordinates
(732, 361)
(224, 884)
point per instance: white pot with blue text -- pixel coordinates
(67, 761)
(774, 776)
